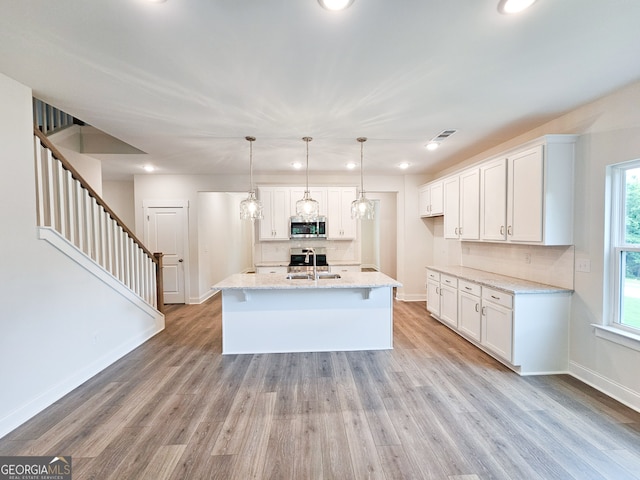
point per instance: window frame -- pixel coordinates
(618, 245)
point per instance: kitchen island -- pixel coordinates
(269, 313)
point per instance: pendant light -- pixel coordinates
(251, 207)
(307, 207)
(362, 207)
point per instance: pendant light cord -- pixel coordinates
(250, 140)
(307, 140)
(362, 140)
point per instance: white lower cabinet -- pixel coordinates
(469, 312)
(497, 323)
(528, 332)
(433, 292)
(345, 268)
(449, 300)
(275, 269)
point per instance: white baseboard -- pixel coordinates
(607, 386)
(411, 297)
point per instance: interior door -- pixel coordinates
(166, 232)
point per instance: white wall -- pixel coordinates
(59, 325)
(119, 196)
(69, 142)
(224, 240)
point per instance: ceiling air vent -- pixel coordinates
(443, 135)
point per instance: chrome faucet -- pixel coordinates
(308, 252)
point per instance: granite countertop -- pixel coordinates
(278, 281)
(499, 282)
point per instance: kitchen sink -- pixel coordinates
(328, 275)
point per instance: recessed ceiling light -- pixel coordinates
(404, 165)
(431, 146)
(296, 165)
(508, 7)
(351, 165)
(148, 168)
(335, 5)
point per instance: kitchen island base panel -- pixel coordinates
(306, 320)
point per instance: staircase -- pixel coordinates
(68, 209)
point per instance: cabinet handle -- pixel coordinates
(501, 229)
(493, 296)
(477, 307)
(460, 230)
(455, 231)
(484, 311)
(509, 230)
(468, 288)
(437, 290)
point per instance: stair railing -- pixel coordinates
(49, 119)
(67, 204)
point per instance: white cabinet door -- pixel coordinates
(437, 199)
(497, 329)
(276, 212)
(449, 305)
(493, 200)
(451, 187)
(469, 223)
(431, 199)
(525, 188)
(433, 297)
(424, 200)
(340, 225)
(469, 318)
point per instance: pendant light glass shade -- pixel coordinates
(307, 207)
(362, 207)
(251, 207)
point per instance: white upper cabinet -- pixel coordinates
(470, 204)
(451, 188)
(462, 205)
(493, 200)
(527, 196)
(340, 225)
(431, 199)
(276, 212)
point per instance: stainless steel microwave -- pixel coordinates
(299, 227)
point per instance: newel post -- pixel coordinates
(159, 283)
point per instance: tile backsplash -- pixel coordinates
(550, 265)
(337, 251)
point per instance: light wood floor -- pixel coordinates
(432, 408)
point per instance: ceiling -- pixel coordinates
(185, 81)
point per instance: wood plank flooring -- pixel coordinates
(434, 407)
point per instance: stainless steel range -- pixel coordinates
(302, 260)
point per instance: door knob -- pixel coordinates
(181, 260)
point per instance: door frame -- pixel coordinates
(172, 203)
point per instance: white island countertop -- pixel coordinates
(278, 281)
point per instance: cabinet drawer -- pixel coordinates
(431, 275)
(469, 287)
(449, 280)
(498, 297)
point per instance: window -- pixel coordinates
(626, 246)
